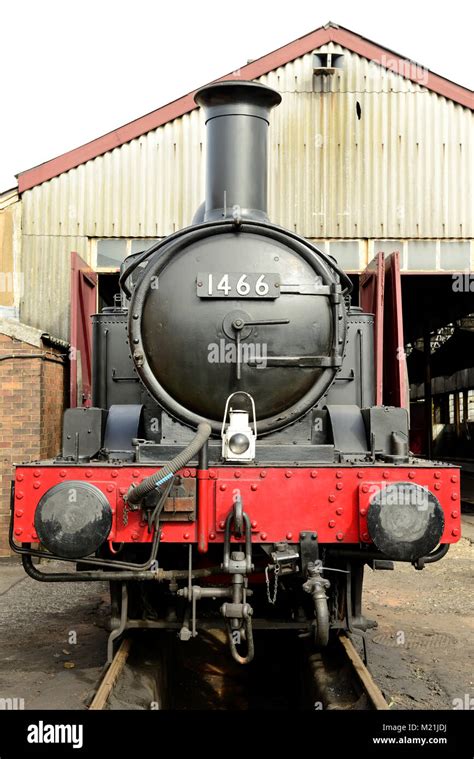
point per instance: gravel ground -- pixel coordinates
(421, 653)
(38, 621)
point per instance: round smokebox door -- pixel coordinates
(235, 312)
(73, 519)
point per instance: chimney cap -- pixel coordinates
(232, 92)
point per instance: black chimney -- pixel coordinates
(237, 118)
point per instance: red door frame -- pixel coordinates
(380, 293)
(83, 305)
(371, 298)
(395, 366)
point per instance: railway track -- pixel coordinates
(286, 675)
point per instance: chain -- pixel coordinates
(276, 570)
(335, 601)
(125, 514)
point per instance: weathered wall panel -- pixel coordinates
(404, 169)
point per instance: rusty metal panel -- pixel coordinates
(363, 154)
(403, 169)
(46, 281)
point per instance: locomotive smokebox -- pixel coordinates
(237, 119)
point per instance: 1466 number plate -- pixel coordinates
(237, 285)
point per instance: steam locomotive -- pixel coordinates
(234, 468)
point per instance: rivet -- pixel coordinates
(162, 535)
(454, 478)
(20, 477)
(339, 486)
(338, 475)
(221, 525)
(135, 473)
(254, 523)
(237, 474)
(89, 473)
(331, 498)
(253, 487)
(454, 514)
(455, 532)
(289, 535)
(331, 523)
(437, 475)
(366, 536)
(36, 485)
(135, 536)
(114, 473)
(142, 523)
(122, 491)
(19, 495)
(34, 536)
(339, 512)
(360, 475)
(223, 486)
(340, 536)
(212, 474)
(385, 475)
(62, 473)
(365, 488)
(110, 488)
(263, 535)
(186, 535)
(19, 513)
(263, 475)
(411, 475)
(314, 474)
(186, 473)
(288, 474)
(37, 473)
(363, 512)
(113, 511)
(454, 497)
(18, 531)
(437, 486)
(212, 536)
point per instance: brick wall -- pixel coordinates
(32, 396)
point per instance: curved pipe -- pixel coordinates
(159, 575)
(435, 555)
(137, 493)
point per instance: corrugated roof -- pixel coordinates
(329, 33)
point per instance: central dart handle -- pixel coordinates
(239, 324)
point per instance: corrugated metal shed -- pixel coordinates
(401, 170)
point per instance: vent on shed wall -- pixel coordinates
(327, 63)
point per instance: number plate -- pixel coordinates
(237, 285)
